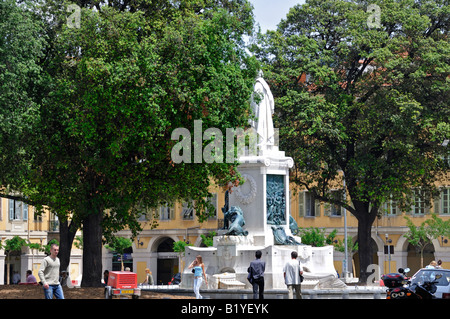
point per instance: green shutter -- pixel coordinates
(317, 208)
(301, 204)
(326, 209)
(436, 204)
(11, 209)
(411, 210)
(25, 211)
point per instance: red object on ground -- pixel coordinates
(122, 279)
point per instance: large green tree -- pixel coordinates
(119, 84)
(21, 45)
(362, 94)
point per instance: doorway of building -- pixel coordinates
(167, 263)
(14, 262)
(413, 257)
(167, 268)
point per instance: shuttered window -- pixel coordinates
(308, 206)
(17, 210)
(441, 204)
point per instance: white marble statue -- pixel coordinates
(263, 111)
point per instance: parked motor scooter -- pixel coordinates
(401, 288)
(396, 284)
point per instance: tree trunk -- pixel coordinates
(365, 222)
(66, 237)
(8, 274)
(421, 256)
(92, 250)
(365, 248)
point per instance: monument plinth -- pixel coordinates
(264, 195)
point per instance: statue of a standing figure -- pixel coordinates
(263, 111)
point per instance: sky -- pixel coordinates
(268, 13)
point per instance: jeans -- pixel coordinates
(55, 290)
(258, 284)
(197, 283)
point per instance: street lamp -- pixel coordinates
(345, 272)
(345, 262)
(388, 241)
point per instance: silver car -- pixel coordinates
(429, 274)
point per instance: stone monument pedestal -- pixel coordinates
(264, 195)
(233, 254)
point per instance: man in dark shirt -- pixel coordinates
(256, 275)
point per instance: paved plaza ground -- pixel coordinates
(35, 292)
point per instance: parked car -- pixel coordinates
(429, 274)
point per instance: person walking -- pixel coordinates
(292, 276)
(199, 272)
(105, 277)
(256, 275)
(49, 274)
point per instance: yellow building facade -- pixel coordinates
(153, 248)
(20, 219)
(391, 250)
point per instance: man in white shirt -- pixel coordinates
(16, 278)
(292, 273)
(49, 274)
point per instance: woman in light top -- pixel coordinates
(199, 272)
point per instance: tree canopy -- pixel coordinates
(117, 85)
(363, 101)
(21, 47)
